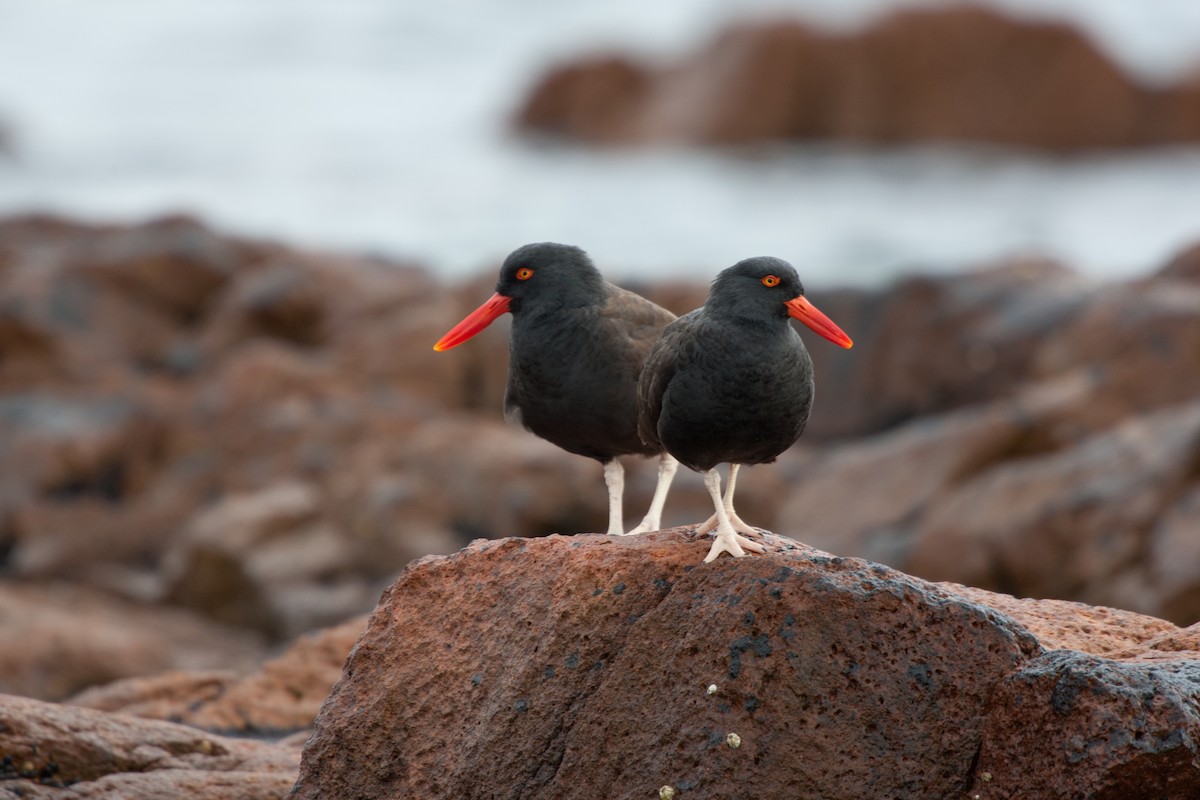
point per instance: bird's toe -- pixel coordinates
(725, 543)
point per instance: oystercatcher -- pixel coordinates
(732, 382)
(575, 353)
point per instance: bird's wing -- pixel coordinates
(640, 319)
(657, 372)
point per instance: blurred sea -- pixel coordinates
(372, 125)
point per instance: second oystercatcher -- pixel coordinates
(732, 382)
(575, 353)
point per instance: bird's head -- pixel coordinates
(534, 277)
(764, 288)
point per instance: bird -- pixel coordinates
(732, 382)
(575, 352)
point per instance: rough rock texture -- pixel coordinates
(54, 751)
(600, 667)
(947, 74)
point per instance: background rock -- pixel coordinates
(964, 74)
(281, 697)
(58, 639)
(144, 433)
(49, 747)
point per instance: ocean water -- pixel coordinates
(378, 126)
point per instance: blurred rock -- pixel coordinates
(54, 751)
(235, 562)
(1064, 524)
(140, 412)
(282, 696)
(965, 74)
(925, 344)
(1184, 266)
(506, 668)
(174, 265)
(59, 639)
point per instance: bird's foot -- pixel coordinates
(729, 542)
(710, 525)
(646, 526)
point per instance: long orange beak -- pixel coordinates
(799, 308)
(476, 321)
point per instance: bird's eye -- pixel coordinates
(770, 280)
(524, 274)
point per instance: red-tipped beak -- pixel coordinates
(799, 308)
(476, 321)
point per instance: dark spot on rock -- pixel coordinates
(573, 660)
(662, 583)
(1066, 691)
(748, 618)
(724, 708)
(921, 674)
(619, 589)
(751, 704)
(477, 679)
(777, 593)
(715, 739)
(522, 706)
(598, 592)
(550, 671)
(760, 645)
(599, 665)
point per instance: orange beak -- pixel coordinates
(476, 321)
(799, 308)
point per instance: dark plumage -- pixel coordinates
(732, 382)
(575, 353)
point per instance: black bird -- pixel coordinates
(575, 352)
(731, 381)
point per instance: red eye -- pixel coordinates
(770, 280)
(524, 274)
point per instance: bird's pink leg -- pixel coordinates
(666, 473)
(614, 478)
(727, 539)
(741, 527)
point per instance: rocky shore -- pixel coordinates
(949, 74)
(215, 453)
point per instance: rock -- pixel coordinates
(58, 640)
(931, 344)
(1069, 724)
(594, 99)
(947, 74)
(54, 751)
(578, 667)
(235, 561)
(174, 264)
(1184, 266)
(1013, 497)
(1065, 524)
(282, 696)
